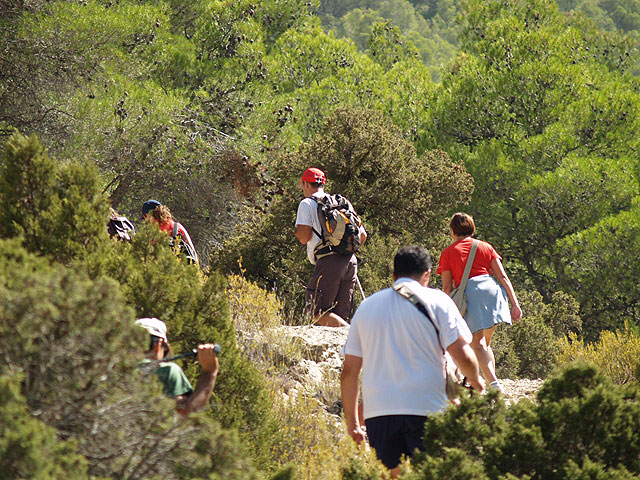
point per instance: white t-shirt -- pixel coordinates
(402, 361)
(308, 215)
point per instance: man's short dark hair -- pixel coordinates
(411, 261)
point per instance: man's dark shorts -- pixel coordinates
(392, 436)
(331, 286)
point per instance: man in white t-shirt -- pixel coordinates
(329, 295)
(401, 357)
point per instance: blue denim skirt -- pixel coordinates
(487, 303)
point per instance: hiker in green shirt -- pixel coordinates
(175, 383)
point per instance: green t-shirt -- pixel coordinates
(173, 379)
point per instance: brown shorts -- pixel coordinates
(331, 286)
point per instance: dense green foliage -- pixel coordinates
(532, 113)
(523, 113)
(582, 427)
(55, 208)
(29, 448)
(428, 27)
(615, 353)
(529, 348)
(68, 332)
(202, 105)
(356, 149)
(433, 27)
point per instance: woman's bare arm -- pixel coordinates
(501, 276)
(447, 282)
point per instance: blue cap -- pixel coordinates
(149, 205)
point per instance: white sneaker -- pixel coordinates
(496, 385)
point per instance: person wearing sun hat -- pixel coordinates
(329, 293)
(175, 383)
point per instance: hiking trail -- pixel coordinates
(317, 370)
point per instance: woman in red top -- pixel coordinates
(154, 211)
(488, 296)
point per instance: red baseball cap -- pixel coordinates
(314, 175)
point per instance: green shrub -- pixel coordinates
(528, 349)
(258, 316)
(360, 469)
(615, 353)
(536, 346)
(56, 207)
(29, 448)
(252, 308)
(62, 313)
(73, 341)
(194, 305)
(356, 149)
(506, 356)
(287, 473)
(582, 427)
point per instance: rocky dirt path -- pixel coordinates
(321, 362)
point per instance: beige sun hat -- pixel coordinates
(154, 326)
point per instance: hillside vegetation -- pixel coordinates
(523, 113)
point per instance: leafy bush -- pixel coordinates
(616, 353)
(356, 149)
(73, 341)
(157, 283)
(29, 448)
(360, 469)
(252, 308)
(258, 316)
(505, 353)
(606, 300)
(56, 207)
(70, 330)
(528, 349)
(582, 425)
(536, 346)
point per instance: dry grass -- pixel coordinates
(616, 353)
(310, 438)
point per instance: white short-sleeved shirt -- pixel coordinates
(308, 215)
(402, 360)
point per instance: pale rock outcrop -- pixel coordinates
(318, 371)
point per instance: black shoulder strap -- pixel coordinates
(319, 235)
(406, 292)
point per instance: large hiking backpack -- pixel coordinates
(185, 249)
(340, 226)
(120, 228)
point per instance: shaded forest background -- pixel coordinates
(523, 113)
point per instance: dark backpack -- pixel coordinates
(185, 249)
(340, 226)
(120, 228)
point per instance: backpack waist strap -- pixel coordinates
(324, 251)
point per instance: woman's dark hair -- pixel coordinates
(411, 261)
(462, 224)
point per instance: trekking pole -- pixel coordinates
(360, 287)
(192, 353)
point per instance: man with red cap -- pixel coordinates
(329, 295)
